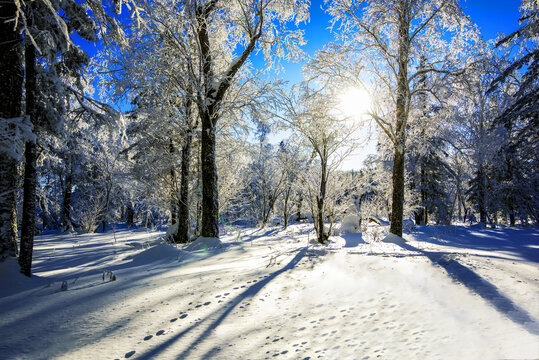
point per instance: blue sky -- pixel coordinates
(492, 16)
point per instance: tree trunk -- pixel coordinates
(403, 95)
(320, 202)
(482, 197)
(11, 78)
(173, 186)
(30, 173)
(210, 191)
(130, 215)
(182, 236)
(511, 217)
(285, 207)
(67, 224)
(107, 205)
(397, 206)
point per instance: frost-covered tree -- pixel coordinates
(475, 132)
(203, 48)
(46, 36)
(267, 178)
(292, 161)
(225, 34)
(398, 42)
(518, 179)
(11, 78)
(427, 168)
(45, 28)
(312, 113)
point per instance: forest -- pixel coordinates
(173, 121)
(263, 179)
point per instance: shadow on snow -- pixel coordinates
(481, 287)
(222, 313)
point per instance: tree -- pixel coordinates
(399, 42)
(219, 29)
(474, 131)
(314, 116)
(520, 119)
(11, 77)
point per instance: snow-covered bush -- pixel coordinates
(350, 224)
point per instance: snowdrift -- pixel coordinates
(12, 281)
(204, 243)
(156, 253)
(394, 239)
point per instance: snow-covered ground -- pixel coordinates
(445, 293)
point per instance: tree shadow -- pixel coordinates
(480, 286)
(523, 242)
(222, 313)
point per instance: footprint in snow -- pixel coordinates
(207, 303)
(148, 337)
(160, 332)
(183, 316)
(129, 354)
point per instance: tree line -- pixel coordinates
(456, 117)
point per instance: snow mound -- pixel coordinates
(12, 281)
(204, 243)
(155, 253)
(392, 238)
(350, 225)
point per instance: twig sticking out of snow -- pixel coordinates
(109, 274)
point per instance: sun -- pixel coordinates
(355, 102)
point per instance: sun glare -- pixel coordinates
(355, 102)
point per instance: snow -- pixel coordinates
(156, 253)
(445, 293)
(392, 238)
(204, 243)
(349, 224)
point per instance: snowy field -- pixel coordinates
(445, 293)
